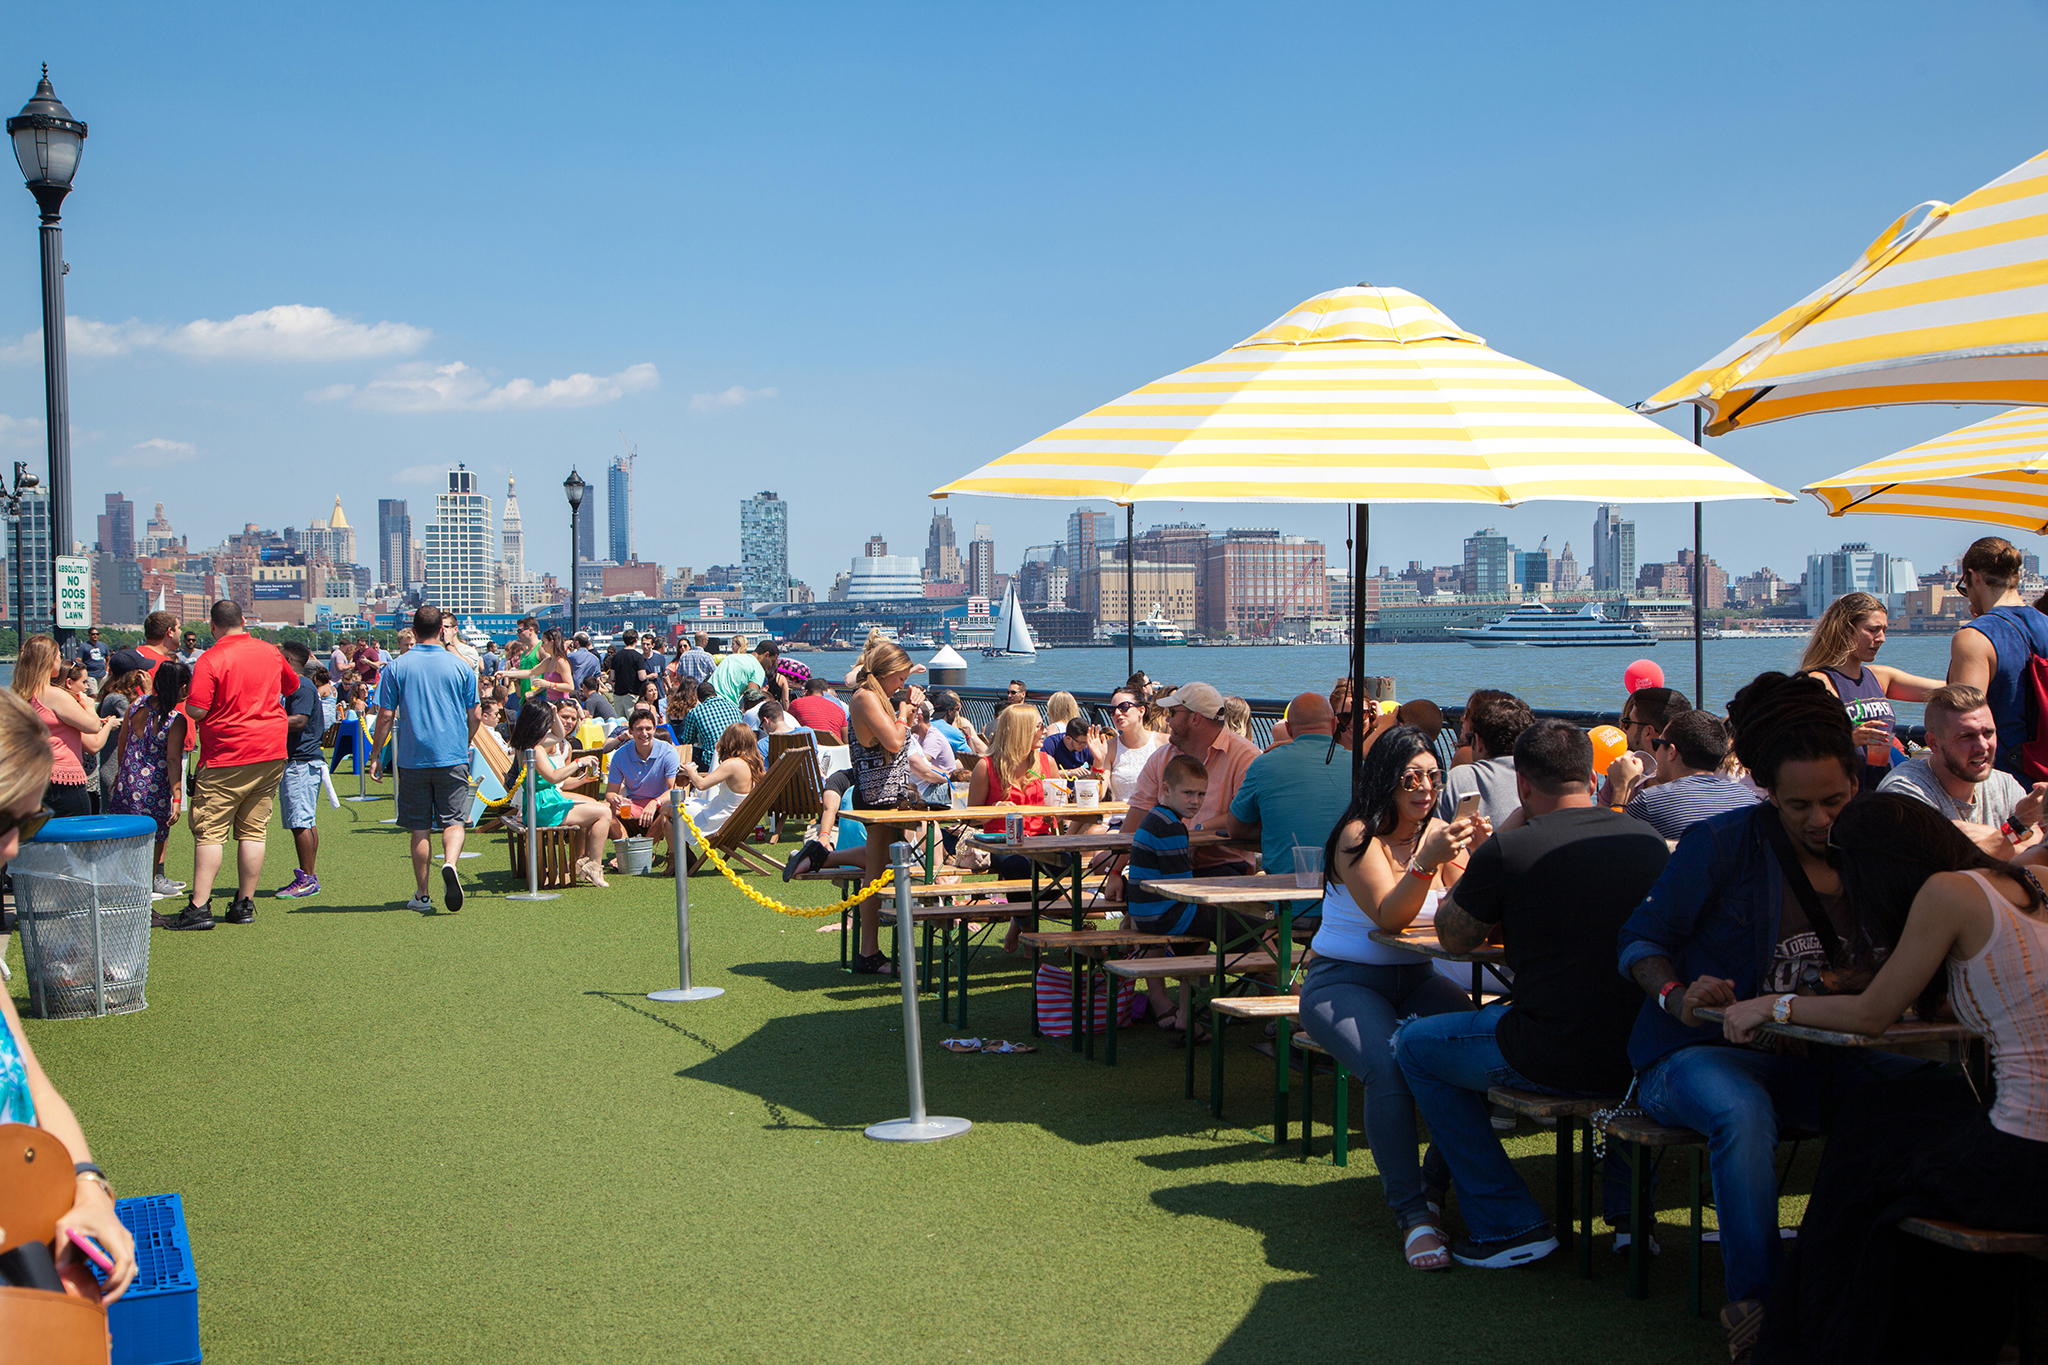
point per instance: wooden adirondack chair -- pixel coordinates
(730, 838)
(802, 798)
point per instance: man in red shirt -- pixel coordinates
(236, 694)
(156, 646)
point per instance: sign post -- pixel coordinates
(74, 592)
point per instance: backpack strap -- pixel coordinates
(1797, 880)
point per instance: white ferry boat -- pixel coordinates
(1532, 623)
(1154, 630)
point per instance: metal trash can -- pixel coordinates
(81, 888)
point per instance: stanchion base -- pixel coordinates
(671, 997)
(442, 857)
(910, 1130)
(366, 798)
(534, 896)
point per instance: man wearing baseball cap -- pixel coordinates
(1195, 728)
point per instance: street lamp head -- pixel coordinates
(46, 144)
(575, 488)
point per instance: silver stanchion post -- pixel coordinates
(919, 1127)
(678, 836)
(362, 756)
(532, 891)
(394, 772)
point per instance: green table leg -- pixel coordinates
(1565, 1123)
(1079, 964)
(1111, 1016)
(1283, 1033)
(1340, 1138)
(1080, 908)
(1216, 1022)
(1692, 1299)
(1642, 1222)
(1308, 1102)
(1586, 1202)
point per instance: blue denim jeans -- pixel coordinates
(1450, 1062)
(1351, 1009)
(1741, 1099)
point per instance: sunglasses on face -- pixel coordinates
(1415, 779)
(1659, 742)
(1123, 706)
(28, 826)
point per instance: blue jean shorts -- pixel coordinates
(298, 792)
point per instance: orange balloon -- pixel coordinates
(1609, 743)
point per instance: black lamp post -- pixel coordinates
(575, 488)
(47, 141)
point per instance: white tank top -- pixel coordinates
(723, 801)
(1125, 768)
(1345, 933)
(1998, 993)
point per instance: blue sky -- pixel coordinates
(849, 253)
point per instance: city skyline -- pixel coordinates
(740, 353)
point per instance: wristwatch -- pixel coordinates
(1781, 1009)
(2016, 829)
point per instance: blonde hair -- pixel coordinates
(1060, 708)
(881, 658)
(1014, 749)
(1236, 716)
(1833, 640)
(36, 667)
(25, 758)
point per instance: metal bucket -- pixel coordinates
(636, 856)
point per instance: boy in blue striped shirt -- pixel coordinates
(1160, 852)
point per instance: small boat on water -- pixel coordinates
(1532, 623)
(1012, 639)
(1154, 631)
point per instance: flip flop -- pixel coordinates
(1002, 1048)
(961, 1044)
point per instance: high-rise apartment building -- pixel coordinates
(332, 540)
(459, 561)
(394, 543)
(586, 528)
(1614, 551)
(30, 602)
(1087, 532)
(513, 538)
(764, 548)
(1489, 562)
(877, 547)
(619, 491)
(981, 562)
(1854, 568)
(941, 553)
(1255, 579)
(117, 528)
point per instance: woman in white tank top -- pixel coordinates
(1386, 864)
(1945, 920)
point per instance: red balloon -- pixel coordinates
(1642, 673)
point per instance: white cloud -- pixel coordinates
(20, 430)
(155, 453)
(455, 387)
(420, 473)
(290, 331)
(730, 398)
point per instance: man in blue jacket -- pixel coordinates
(1750, 905)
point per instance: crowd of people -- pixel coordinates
(1794, 861)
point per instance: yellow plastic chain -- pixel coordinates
(748, 890)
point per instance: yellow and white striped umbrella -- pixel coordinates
(1951, 307)
(1363, 395)
(1993, 471)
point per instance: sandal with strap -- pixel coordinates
(1421, 1260)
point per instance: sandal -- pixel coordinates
(588, 873)
(812, 856)
(1437, 1258)
(874, 964)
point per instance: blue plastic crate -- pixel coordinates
(157, 1321)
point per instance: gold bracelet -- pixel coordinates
(100, 1180)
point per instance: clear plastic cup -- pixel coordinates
(1308, 867)
(959, 796)
(1055, 791)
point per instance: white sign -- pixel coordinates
(74, 591)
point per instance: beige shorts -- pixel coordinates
(233, 800)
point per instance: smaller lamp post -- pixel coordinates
(575, 488)
(23, 483)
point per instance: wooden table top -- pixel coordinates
(980, 814)
(1424, 941)
(1255, 889)
(1900, 1034)
(1102, 841)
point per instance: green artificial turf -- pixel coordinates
(471, 1138)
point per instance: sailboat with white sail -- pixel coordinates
(1013, 633)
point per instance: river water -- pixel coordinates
(1548, 679)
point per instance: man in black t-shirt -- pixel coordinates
(1555, 884)
(628, 667)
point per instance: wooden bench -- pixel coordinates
(1570, 1113)
(1990, 1242)
(1340, 1100)
(952, 925)
(1280, 1009)
(1094, 944)
(1645, 1135)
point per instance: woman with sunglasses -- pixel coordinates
(1124, 751)
(26, 1095)
(1936, 919)
(1842, 654)
(1386, 865)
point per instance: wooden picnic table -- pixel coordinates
(1904, 1033)
(899, 819)
(1422, 939)
(1280, 890)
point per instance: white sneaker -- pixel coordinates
(1622, 1241)
(423, 904)
(1503, 1121)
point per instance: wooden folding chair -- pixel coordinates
(730, 838)
(804, 796)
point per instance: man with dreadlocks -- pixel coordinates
(1748, 906)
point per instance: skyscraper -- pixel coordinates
(1086, 532)
(1614, 552)
(877, 547)
(30, 603)
(981, 562)
(459, 562)
(514, 537)
(586, 528)
(764, 548)
(619, 491)
(117, 528)
(394, 543)
(1489, 562)
(941, 552)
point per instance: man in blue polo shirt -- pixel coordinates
(642, 774)
(434, 696)
(1294, 793)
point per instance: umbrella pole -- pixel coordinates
(1699, 582)
(1361, 550)
(1130, 594)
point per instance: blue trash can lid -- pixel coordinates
(79, 829)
